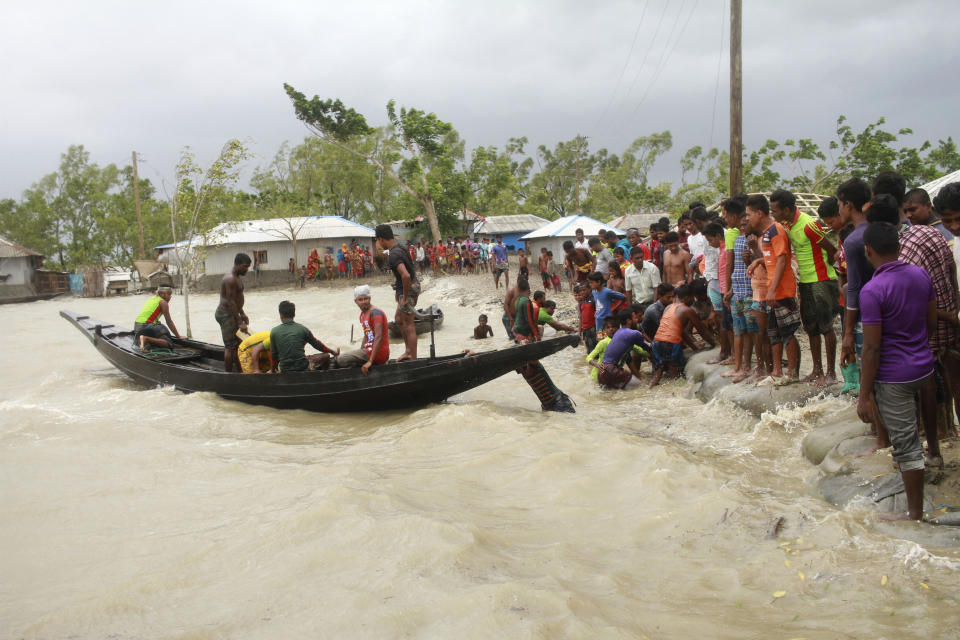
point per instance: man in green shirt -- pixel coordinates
(818, 288)
(287, 341)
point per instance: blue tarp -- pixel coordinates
(76, 283)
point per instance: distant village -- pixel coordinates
(272, 244)
(281, 247)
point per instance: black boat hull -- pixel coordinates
(390, 386)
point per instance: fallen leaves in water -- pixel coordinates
(786, 563)
(801, 576)
(925, 586)
(780, 594)
(883, 581)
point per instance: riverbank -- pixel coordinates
(849, 470)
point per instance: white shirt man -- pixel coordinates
(641, 281)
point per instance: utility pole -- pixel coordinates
(136, 203)
(736, 99)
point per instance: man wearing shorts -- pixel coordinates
(147, 330)
(897, 306)
(783, 312)
(500, 263)
(406, 287)
(819, 290)
(739, 295)
(229, 314)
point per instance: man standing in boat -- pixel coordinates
(375, 349)
(406, 286)
(229, 314)
(147, 329)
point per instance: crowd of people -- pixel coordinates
(458, 255)
(878, 260)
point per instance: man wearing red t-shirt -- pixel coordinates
(375, 349)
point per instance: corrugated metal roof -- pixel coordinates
(278, 229)
(933, 187)
(567, 226)
(806, 202)
(640, 221)
(518, 223)
(10, 249)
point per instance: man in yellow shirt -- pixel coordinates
(254, 354)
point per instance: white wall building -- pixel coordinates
(17, 263)
(268, 243)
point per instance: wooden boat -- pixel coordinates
(421, 320)
(194, 366)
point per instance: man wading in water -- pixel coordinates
(229, 314)
(406, 286)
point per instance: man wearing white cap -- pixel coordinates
(373, 324)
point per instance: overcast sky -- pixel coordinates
(119, 76)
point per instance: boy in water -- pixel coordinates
(610, 327)
(482, 330)
(587, 311)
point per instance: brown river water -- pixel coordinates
(146, 513)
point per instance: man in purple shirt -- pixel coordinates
(898, 308)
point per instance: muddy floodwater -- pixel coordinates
(147, 513)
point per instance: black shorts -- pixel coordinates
(228, 328)
(153, 330)
(819, 305)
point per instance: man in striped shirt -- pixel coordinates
(819, 291)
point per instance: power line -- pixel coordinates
(665, 59)
(646, 55)
(626, 63)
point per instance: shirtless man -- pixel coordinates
(229, 314)
(543, 265)
(676, 261)
(673, 334)
(509, 302)
(581, 262)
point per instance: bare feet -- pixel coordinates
(727, 361)
(934, 462)
(740, 378)
(405, 356)
(814, 376)
(732, 374)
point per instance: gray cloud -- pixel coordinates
(115, 77)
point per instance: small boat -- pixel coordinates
(193, 366)
(421, 320)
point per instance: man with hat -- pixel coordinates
(375, 349)
(147, 330)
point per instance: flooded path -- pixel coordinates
(133, 513)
